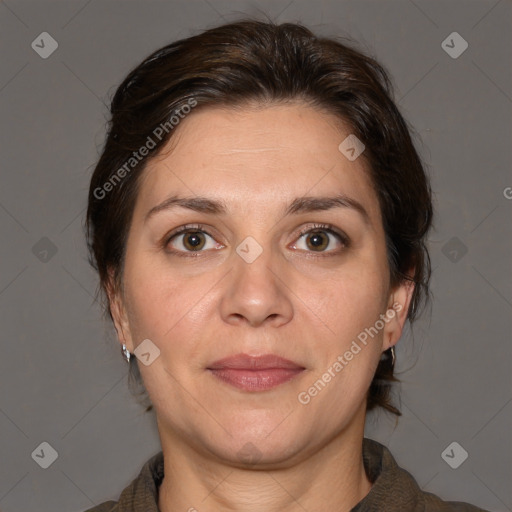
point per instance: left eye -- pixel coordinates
(318, 240)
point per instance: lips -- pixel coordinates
(247, 362)
(251, 373)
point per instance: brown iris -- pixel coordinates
(314, 240)
(194, 240)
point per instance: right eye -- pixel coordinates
(190, 239)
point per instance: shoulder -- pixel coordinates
(433, 503)
(395, 489)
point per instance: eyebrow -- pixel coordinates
(297, 206)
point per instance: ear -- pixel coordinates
(399, 302)
(118, 312)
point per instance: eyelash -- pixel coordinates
(328, 228)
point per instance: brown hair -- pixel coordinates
(261, 62)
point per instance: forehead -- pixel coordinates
(256, 157)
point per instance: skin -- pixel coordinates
(294, 300)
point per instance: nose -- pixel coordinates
(256, 293)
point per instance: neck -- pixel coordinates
(331, 478)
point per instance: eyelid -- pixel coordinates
(185, 228)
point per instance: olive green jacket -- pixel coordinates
(393, 490)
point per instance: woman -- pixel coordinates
(258, 220)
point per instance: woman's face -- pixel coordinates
(244, 280)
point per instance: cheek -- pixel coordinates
(346, 364)
(150, 307)
(164, 304)
(353, 303)
(354, 299)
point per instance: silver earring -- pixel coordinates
(126, 353)
(393, 356)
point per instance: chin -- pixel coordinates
(260, 441)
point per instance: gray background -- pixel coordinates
(63, 380)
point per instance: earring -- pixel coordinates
(392, 349)
(126, 353)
